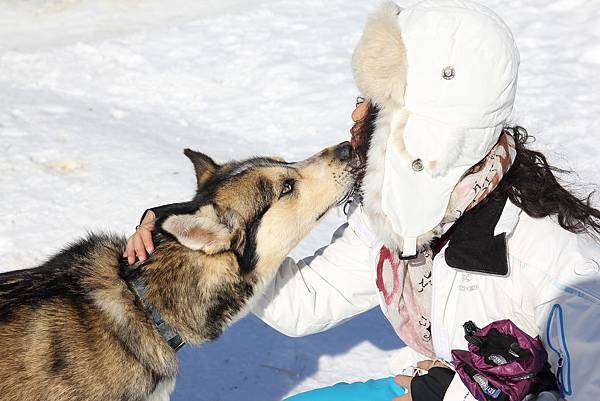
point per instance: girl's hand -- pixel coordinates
(140, 243)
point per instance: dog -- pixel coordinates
(85, 326)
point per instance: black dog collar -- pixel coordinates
(138, 287)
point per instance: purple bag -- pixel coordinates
(503, 363)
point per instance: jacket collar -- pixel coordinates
(477, 242)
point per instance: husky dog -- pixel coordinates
(84, 326)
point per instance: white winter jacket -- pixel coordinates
(552, 289)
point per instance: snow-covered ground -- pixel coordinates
(98, 99)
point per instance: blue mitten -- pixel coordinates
(372, 390)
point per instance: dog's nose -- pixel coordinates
(343, 151)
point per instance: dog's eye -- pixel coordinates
(287, 188)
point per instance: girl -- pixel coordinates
(455, 219)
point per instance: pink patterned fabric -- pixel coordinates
(405, 285)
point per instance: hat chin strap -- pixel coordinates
(415, 202)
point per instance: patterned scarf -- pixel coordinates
(405, 286)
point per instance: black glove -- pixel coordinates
(497, 348)
(432, 386)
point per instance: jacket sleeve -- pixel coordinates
(159, 211)
(326, 289)
(570, 325)
(568, 316)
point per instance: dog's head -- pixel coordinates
(262, 207)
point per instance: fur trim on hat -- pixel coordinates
(379, 60)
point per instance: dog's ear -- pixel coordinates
(210, 230)
(204, 166)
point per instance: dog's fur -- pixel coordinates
(73, 329)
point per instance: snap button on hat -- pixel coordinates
(417, 165)
(448, 72)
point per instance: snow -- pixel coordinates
(98, 99)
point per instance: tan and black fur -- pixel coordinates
(73, 329)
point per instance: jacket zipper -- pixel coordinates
(439, 337)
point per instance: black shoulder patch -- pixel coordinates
(473, 246)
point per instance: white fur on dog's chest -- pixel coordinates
(163, 391)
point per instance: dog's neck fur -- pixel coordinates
(184, 286)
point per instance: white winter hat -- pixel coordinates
(444, 74)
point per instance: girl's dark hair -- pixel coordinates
(530, 183)
(364, 131)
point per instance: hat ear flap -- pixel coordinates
(209, 230)
(379, 60)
